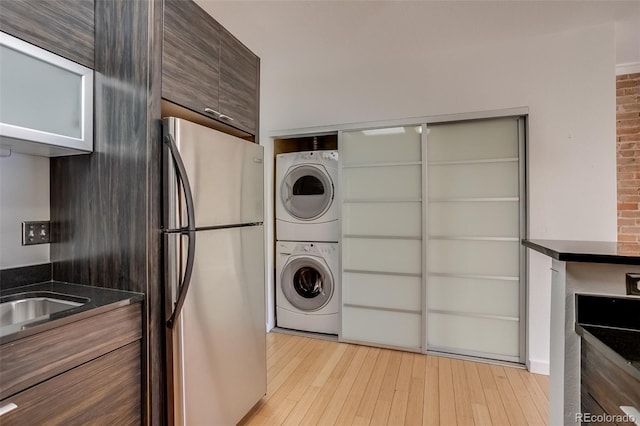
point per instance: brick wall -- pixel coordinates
(628, 156)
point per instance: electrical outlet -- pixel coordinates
(36, 232)
(633, 284)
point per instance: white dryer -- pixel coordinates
(306, 202)
(308, 286)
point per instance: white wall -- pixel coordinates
(24, 195)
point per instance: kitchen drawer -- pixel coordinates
(606, 385)
(104, 391)
(33, 359)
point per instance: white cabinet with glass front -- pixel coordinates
(46, 101)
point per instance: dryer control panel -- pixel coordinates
(317, 155)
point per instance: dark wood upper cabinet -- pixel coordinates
(190, 56)
(64, 27)
(239, 82)
(206, 69)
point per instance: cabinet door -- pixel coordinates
(104, 391)
(190, 56)
(65, 27)
(239, 76)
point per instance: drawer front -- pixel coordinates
(608, 385)
(28, 361)
(105, 391)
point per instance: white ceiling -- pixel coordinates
(293, 32)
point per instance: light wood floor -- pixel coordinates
(313, 381)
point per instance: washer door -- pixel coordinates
(306, 191)
(307, 283)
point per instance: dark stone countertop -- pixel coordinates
(587, 251)
(98, 300)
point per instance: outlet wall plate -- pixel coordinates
(36, 232)
(633, 284)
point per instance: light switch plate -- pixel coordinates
(633, 284)
(36, 232)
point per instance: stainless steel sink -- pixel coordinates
(25, 308)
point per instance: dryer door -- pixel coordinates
(307, 283)
(306, 191)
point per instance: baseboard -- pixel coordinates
(538, 367)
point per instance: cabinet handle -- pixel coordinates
(632, 412)
(225, 117)
(212, 111)
(7, 408)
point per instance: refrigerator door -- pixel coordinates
(225, 174)
(219, 347)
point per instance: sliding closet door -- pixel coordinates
(475, 292)
(381, 191)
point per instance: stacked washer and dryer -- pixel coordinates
(307, 234)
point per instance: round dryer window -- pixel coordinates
(307, 283)
(306, 191)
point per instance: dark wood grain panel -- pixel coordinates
(105, 391)
(607, 384)
(239, 83)
(36, 358)
(105, 206)
(65, 27)
(190, 56)
(155, 367)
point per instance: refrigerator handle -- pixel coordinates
(189, 231)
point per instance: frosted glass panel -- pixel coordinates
(382, 255)
(384, 327)
(388, 183)
(382, 219)
(37, 95)
(473, 334)
(474, 140)
(473, 180)
(397, 292)
(400, 144)
(474, 257)
(478, 296)
(474, 219)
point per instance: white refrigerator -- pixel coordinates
(214, 274)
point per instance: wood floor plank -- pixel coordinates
(537, 393)
(509, 399)
(321, 382)
(352, 402)
(543, 381)
(383, 403)
(276, 397)
(398, 411)
(446, 392)
(311, 394)
(479, 408)
(431, 402)
(332, 411)
(524, 399)
(368, 402)
(315, 412)
(492, 396)
(416, 390)
(464, 412)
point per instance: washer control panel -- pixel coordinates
(318, 155)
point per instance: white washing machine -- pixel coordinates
(308, 286)
(306, 202)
